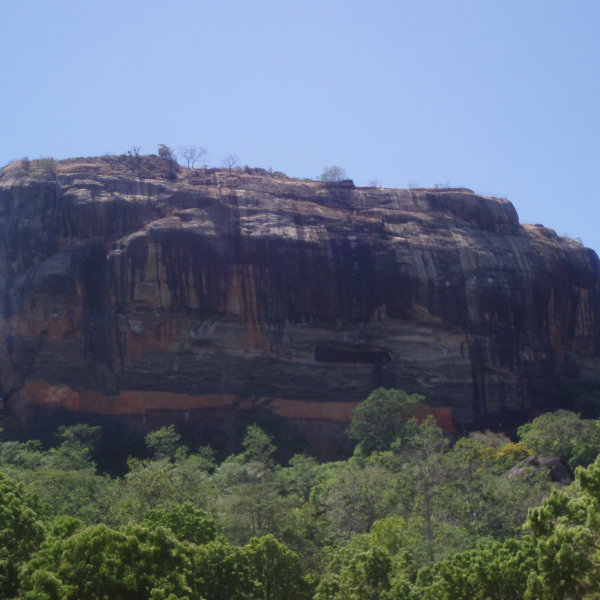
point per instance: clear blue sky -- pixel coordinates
(500, 96)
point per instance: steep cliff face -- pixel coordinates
(136, 288)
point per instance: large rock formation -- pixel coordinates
(133, 287)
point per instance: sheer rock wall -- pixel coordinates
(151, 289)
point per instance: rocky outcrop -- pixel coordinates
(135, 287)
(558, 470)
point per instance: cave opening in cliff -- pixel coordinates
(354, 355)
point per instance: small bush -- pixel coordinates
(333, 173)
(44, 168)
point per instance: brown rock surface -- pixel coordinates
(131, 287)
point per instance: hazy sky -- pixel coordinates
(502, 96)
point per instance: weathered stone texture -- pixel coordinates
(130, 291)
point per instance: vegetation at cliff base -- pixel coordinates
(409, 515)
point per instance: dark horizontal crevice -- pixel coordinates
(351, 354)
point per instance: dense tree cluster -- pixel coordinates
(408, 516)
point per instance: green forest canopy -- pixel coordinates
(407, 516)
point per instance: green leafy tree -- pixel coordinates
(563, 433)
(300, 477)
(277, 569)
(355, 496)
(63, 526)
(422, 453)
(159, 484)
(360, 570)
(186, 521)
(366, 577)
(75, 451)
(308, 532)
(220, 570)
(22, 455)
(328, 587)
(254, 509)
(148, 485)
(384, 417)
(476, 495)
(99, 562)
(69, 456)
(20, 532)
(192, 482)
(258, 446)
(80, 493)
(165, 443)
(402, 539)
(252, 502)
(566, 527)
(234, 471)
(494, 571)
(564, 566)
(82, 433)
